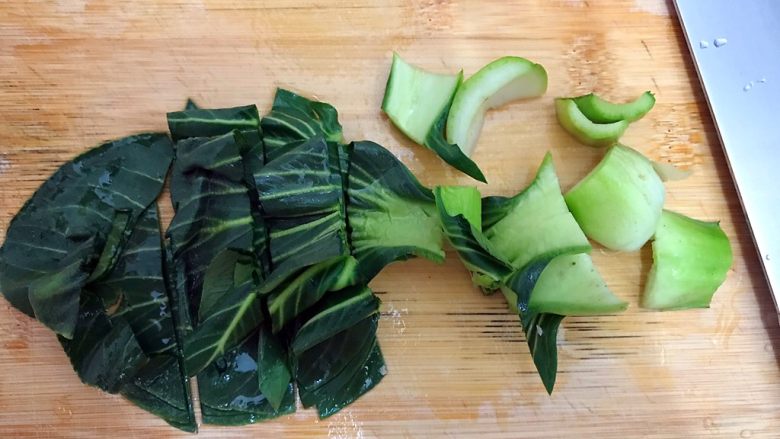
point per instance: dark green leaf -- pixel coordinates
(300, 182)
(120, 230)
(137, 286)
(55, 295)
(541, 331)
(230, 391)
(206, 123)
(308, 287)
(335, 395)
(293, 118)
(391, 215)
(159, 388)
(494, 209)
(79, 202)
(212, 207)
(452, 154)
(104, 353)
(348, 350)
(341, 369)
(273, 371)
(191, 105)
(300, 242)
(238, 314)
(339, 311)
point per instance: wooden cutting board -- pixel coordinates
(77, 72)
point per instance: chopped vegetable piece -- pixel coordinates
(55, 241)
(503, 80)
(600, 111)
(690, 261)
(230, 389)
(460, 209)
(536, 223)
(618, 204)
(583, 129)
(462, 200)
(294, 118)
(415, 98)
(104, 352)
(391, 215)
(418, 102)
(229, 311)
(571, 286)
(273, 369)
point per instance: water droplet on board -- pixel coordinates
(703, 44)
(720, 42)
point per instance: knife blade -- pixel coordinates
(735, 46)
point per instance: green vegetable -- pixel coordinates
(570, 285)
(134, 288)
(333, 373)
(212, 209)
(574, 121)
(391, 215)
(503, 80)
(55, 241)
(103, 352)
(227, 314)
(274, 373)
(415, 98)
(618, 204)
(600, 111)
(161, 388)
(418, 102)
(337, 314)
(293, 118)
(532, 250)
(535, 224)
(230, 391)
(459, 208)
(690, 261)
(462, 200)
(308, 287)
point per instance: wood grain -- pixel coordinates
(77, 72)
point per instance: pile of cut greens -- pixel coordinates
(533, 247)
(259, 285)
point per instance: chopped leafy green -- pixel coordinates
(391, 215)
(293, 118)
(456, 208)
(135, 289)
(691, 259)
(197, 122)
(55, 241)
(273, 369)
(230, 389)
(212, 210)
(340, 310)
(536, 222)
(161, 388)
(418, 102)
(308, 287)
(104, 352)
(230, 315)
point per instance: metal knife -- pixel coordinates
(736, 49)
